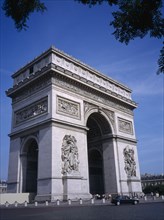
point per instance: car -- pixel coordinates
(124, 200)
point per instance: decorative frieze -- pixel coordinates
(68, 107)
(69, 156)
(125, 126)
(89, 75)
(91, 95)
(57, 60)
(130, 164)
(33, 110)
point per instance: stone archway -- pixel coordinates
(63, 97)
(97, 136)
(30, 166)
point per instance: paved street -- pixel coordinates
(144, 211)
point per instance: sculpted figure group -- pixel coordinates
(69, 155)
(130, 164)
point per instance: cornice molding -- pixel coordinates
(29, 81)
(90, 84)
(45, 78)
(46, 123)
(125, 139)
(54, 59)
(53, 50)
(93, 94)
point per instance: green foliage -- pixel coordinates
(161, 62)
(137, 19)
(19, 10)
(155, 189)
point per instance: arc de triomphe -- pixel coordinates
(72, 132)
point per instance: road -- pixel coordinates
(145, 211)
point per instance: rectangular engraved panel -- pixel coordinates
(37, 108)
(125, 126)
(68, 107)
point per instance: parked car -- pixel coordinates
(124, 200)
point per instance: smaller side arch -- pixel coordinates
(25, 141)
(29, 164)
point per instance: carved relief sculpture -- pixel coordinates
(125, 126)
(88, 107)
(32, 110)
(91, 95)
(130, 164)
(70, 162)
(94, 78)
(111, 116)
(68, 107)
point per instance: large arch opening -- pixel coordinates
(96, 172)
(99, 128)
(30, 166)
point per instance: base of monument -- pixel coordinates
(72, 187)
(63, 197)
(75, 197)
(48, 197)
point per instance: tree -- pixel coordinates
(132, 18)
(154, 189)
(19, 11)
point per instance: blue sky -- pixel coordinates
(85, 34)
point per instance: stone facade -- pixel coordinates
(72, 131)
